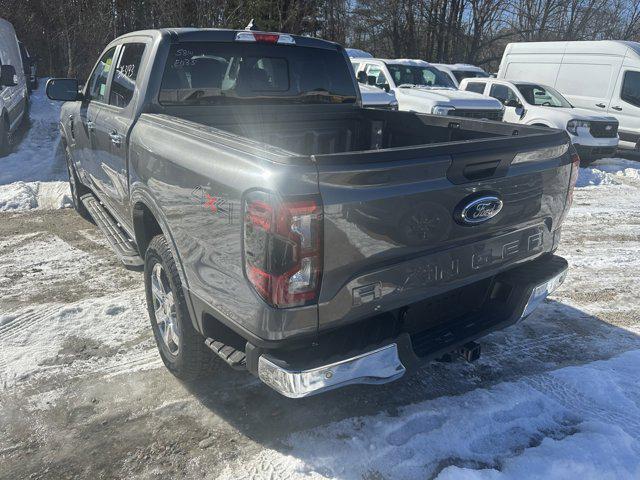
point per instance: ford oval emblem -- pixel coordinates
(480, 210)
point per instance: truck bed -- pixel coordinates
(316, 131)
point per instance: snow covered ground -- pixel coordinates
(83, 392)
(34, 174)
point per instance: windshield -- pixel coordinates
(419, 75)
(462, 74)
(542, 95)
(213, 73)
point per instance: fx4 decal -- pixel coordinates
(216, 204)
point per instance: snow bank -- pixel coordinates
(38, 156)
(589, 177)
(619, 167)
(608, 171)
(34, 195)
(34, 174)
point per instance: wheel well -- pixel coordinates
(540, 125)
(145, 226)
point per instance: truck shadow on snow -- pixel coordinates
(555, 336)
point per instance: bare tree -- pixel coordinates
(67, 35)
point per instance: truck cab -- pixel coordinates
(421, 87)
(372, 96)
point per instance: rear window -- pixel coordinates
(211, 73)
(477, 87)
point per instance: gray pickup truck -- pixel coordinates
(297, 235)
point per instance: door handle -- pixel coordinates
(618, 108)
(91, 126)
(601, 105)
(116, 138)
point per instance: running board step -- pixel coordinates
(118, 240)
(235, 358)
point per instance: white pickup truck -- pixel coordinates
(420, 87)
(594, 135)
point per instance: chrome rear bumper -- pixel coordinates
(529, 285)
(375, 367)
(542, 291)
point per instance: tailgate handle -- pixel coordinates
(476, 171)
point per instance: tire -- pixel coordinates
(181, 347)
(77, 189)
(5, 139)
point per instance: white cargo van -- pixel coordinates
(13, 86)
(602, 76)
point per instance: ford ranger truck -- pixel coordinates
(295, 234)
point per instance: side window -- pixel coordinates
(502, 93)
(630, 92)
(355, 65)
(125, 75)
(375, 71)
(477, 87)
(97, 84)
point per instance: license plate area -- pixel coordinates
(461, 262)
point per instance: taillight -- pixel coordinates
(282, 246)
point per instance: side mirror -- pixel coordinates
(362, 76)
(63, 89)
(512, 103)
(8, 77)
(386, 87)
(371, 80)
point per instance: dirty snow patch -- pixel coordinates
(579, 421)
(20, 196)
(590, 177)
(86, 336)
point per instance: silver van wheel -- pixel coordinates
(164, 307)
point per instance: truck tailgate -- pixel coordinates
(396, 230)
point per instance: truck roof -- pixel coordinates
(357, 53)
(459, 66)
(609, 47)
(404, 61)
(190, 34)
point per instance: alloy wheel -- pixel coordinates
(164, 307)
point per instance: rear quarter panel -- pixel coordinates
(197, 183)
